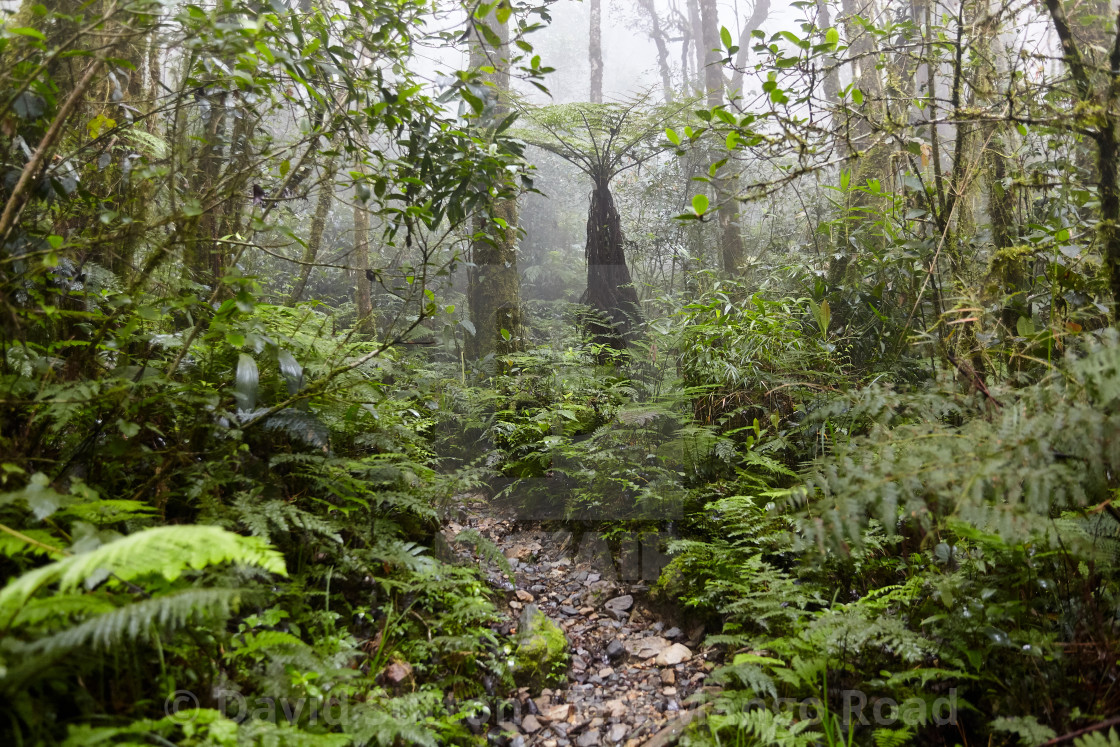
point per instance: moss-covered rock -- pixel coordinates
(541, 656)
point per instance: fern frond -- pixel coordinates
(1098, 739)
(139, 620)
(166, 551)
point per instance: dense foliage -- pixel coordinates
(862, 369)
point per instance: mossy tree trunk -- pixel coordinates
(494, 286)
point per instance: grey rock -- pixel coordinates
(674, 654)
(569, 610)
(620, 604)
(617, 733)
(530, 724)
(588, 739)
(615, 649)
(673, 633)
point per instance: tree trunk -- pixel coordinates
(594, 51)
(610, 290)
(696, 35)
(757, 18)
(494, 286)
(315, 236)
(657, 34)
(363, 302)
(831, 81)
(731, 239)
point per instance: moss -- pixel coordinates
(541, 657)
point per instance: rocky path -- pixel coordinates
(630, 672)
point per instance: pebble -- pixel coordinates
(617, 733)
(615, 649)
(530, 724)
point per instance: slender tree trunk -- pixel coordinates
(315, 236)
(494, 286)
(831, 81)
(594, 51)
(363, 302)
(696, 36)
(657, 34)
(731, 239)
(758, 17)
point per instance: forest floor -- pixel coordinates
(632, 668)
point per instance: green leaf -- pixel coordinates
(503, 12)
(857, 97)
(832, 36)
(246, 382)
(725, 37)
(28, 31)
(674, 138)
(700, 204)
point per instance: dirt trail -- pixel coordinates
(631, 672)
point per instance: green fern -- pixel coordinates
(1098, 739)
(141, 620)
(164, 551)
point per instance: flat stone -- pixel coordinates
(524, 596)
(569, 610)
(668, 677)
(556, 712)
(674, 654)
(673, 633)
(649, 647)
(621, 603)
(617, 733)
(530, 724)
(588, 739)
